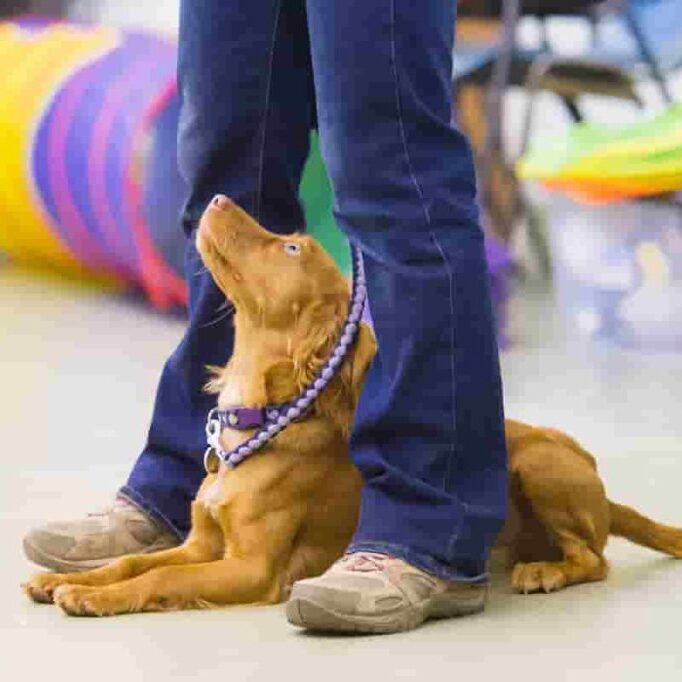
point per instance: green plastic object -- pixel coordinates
(317, 197)
(641, 158)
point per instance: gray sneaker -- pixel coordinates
(96, 540)
(374, 593)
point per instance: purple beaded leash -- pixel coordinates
(276, 421)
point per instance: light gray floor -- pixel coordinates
(78, 372)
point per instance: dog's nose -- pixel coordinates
(221, 201)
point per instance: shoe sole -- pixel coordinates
(53, 563)
(305, 611)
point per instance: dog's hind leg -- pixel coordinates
(580, 565)
(205, 543)
(567, 497)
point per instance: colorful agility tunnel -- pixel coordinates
(84, 112)
(89, 183)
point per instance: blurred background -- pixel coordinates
(570, 108)
(573, 113)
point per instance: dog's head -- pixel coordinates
(286, 290)
(270, 279)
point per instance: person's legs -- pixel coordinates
(429, 435)
(248, 108)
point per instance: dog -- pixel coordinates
(289, 511)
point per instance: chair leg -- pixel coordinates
(572, 108)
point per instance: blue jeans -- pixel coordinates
(374, 77)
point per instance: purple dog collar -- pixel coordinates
(245, 418)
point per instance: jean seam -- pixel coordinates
(401, 123)
(453, 349)
(266, 108)
(441, 252)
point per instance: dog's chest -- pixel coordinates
(213, 496)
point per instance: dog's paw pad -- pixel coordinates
(41, 587)
(537, 577)
(75, 600)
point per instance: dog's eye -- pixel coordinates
(292, 248)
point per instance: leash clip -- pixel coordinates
(213, 427)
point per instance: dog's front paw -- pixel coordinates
(40, 588)
(83, 600)
(538, 576)
(78, 600)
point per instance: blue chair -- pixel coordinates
(643, 37)
(471, 60)
(634, 40)
(637, 39)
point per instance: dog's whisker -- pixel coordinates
(224, 306)
(219, 319)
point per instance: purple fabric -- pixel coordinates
(497, 254)
(500, 264)
(33, 23)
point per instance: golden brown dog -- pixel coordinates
(289, 511)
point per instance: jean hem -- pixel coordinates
(419, 560)
(139, 501)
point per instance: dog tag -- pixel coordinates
(211, 461)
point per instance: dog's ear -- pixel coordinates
(311, 347)
(340, 399)
(311, 352)
(280, 381)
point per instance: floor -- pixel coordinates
(79, 370)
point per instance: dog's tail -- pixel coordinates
(630, 524)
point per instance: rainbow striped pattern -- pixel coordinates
(79, 108)
(89, 184)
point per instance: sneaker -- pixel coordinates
(375, 593)
(96, 540)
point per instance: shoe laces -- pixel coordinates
(116, 505)
(365, 562)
